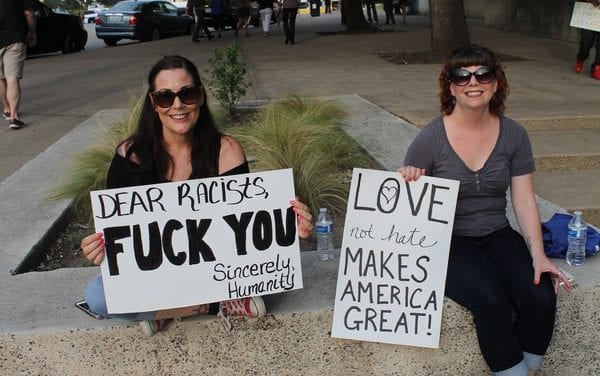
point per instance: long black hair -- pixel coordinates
(147, 142)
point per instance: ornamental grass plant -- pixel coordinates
(304, 134)
(88, 169)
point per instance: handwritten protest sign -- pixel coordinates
(585, 16)
(394, 257)
(198, 241)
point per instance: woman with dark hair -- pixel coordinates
(175, 140)
(493, 270)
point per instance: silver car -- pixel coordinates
(142, 20)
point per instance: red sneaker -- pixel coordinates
(246, 307)
(579, 66)
(596, 72)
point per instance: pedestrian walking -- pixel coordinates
(388, 8)
(371, 11)
(197, 8)
(218, 9)
(265, 9)
(17, 31)
(241, 8)
(290, 11)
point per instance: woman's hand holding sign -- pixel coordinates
(305, 225)
(92, 247)
(410, 173)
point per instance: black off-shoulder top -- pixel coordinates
(125, 173)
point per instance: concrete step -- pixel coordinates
(561, 123)
(572, 190)
(566, 150)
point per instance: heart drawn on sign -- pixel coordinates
(389, 193)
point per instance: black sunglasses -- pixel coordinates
(188, 95)
(462, 77)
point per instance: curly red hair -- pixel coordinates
(469, 56)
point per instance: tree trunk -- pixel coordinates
(353, 16)
(448, 26)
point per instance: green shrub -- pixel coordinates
(305, 135)
(227, 77)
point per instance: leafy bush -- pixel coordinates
(227, 72)
(304, 134)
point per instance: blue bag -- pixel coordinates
(554, 233)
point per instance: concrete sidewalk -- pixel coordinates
(41, 333)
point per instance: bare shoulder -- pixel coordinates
(123, 148)
(231, 154)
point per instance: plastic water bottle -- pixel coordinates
(324, 229)
(577, 236)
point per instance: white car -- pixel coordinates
(89, 16)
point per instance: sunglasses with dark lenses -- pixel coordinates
(188, 95)
(462, 77)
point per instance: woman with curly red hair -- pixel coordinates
(495, 272)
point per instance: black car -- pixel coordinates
(142, 20)
(57, 31)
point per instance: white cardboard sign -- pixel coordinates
(393, 259)
(585, 16)
(198, 241)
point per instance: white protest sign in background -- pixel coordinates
(393, 259)
(585, 16)
(198, 241)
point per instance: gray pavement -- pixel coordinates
(398, 98)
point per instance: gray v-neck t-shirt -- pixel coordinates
(481, 206)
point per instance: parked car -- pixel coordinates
(57, 31)
(142, 20)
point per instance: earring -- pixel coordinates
(453, 100)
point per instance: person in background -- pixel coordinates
(501, 276)
(587, 39)
(371, 11)
(218, 9)
(265, 9)
(17, 31)
(388, 8)
(196, 8)
(242, 13)
(290, 11)
(327, 6)
(175, 140)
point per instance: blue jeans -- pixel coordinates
(492, 276)
(94, 295)
(371, 10)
